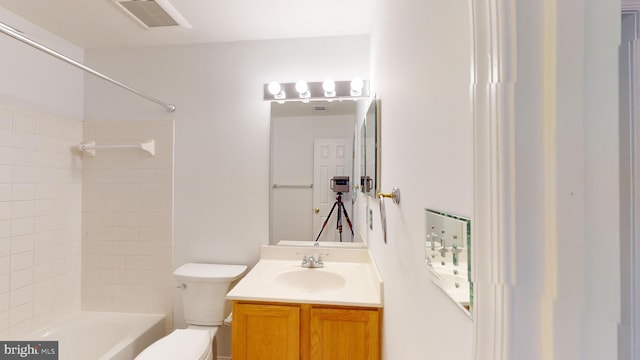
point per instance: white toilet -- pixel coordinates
(204, 287)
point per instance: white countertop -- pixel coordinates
(356, 276)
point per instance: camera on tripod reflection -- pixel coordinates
(340, 184)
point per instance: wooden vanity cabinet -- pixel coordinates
(264, 331)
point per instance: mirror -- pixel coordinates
(370, 180)
(312, 154)
(448, 256)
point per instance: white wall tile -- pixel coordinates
(5, 246)
(25, 123)
(5, 210)
(6, 137)
(5, 228)
(4, 301)
(21, 296)
(41, 208)
(23, 157)
(6, 119)
(5, 192)
(22, 226)
(23, 209)
(21, 278)
(6, 175)
(22, 261)
(20, 192)
(6, 155)
(20, 313)
(5, 267)
(121, 191)
(22, 243)
(24, 140)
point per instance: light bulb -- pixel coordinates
(329, 87)
(303, 89)
(302, 86)
(356, 86)
(274, 88)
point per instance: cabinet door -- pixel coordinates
(266, 332)
(345, 334)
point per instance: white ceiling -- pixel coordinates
(101, 24)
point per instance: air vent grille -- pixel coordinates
(151, 13)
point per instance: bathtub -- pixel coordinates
(103, 335)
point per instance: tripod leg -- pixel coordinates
(326, 221)
(346, 216)
(339, 222)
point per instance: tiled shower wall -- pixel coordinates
(40, 220)
(127, 219)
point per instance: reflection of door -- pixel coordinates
(331, 157)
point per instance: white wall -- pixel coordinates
(421, 67)
(221, 187)
(596, 112)
(35, 80)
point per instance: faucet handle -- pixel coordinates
(456, 249)
(305, 260)
(443, 250)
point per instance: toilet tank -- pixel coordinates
(205, 288)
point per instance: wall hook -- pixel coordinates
(394, 194)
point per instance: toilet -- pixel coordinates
(204, 287)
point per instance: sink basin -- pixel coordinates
(310, 280)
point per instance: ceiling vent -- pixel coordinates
(153, 13)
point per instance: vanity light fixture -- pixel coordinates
(329, 87)
(315, 91)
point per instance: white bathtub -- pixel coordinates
(103, 335)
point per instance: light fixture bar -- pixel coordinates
(316, 92)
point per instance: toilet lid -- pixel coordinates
(187, 344)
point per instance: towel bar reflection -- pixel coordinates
(147, 146)
(305, 186)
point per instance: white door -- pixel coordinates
(331, 157)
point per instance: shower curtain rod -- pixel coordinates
(9, 31)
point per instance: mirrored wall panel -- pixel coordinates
(370, 176)
(448, 256)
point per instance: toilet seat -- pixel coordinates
(184, 344)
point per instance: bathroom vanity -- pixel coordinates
(283, 331)
(284, 311)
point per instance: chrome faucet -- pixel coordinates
(313, 262)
